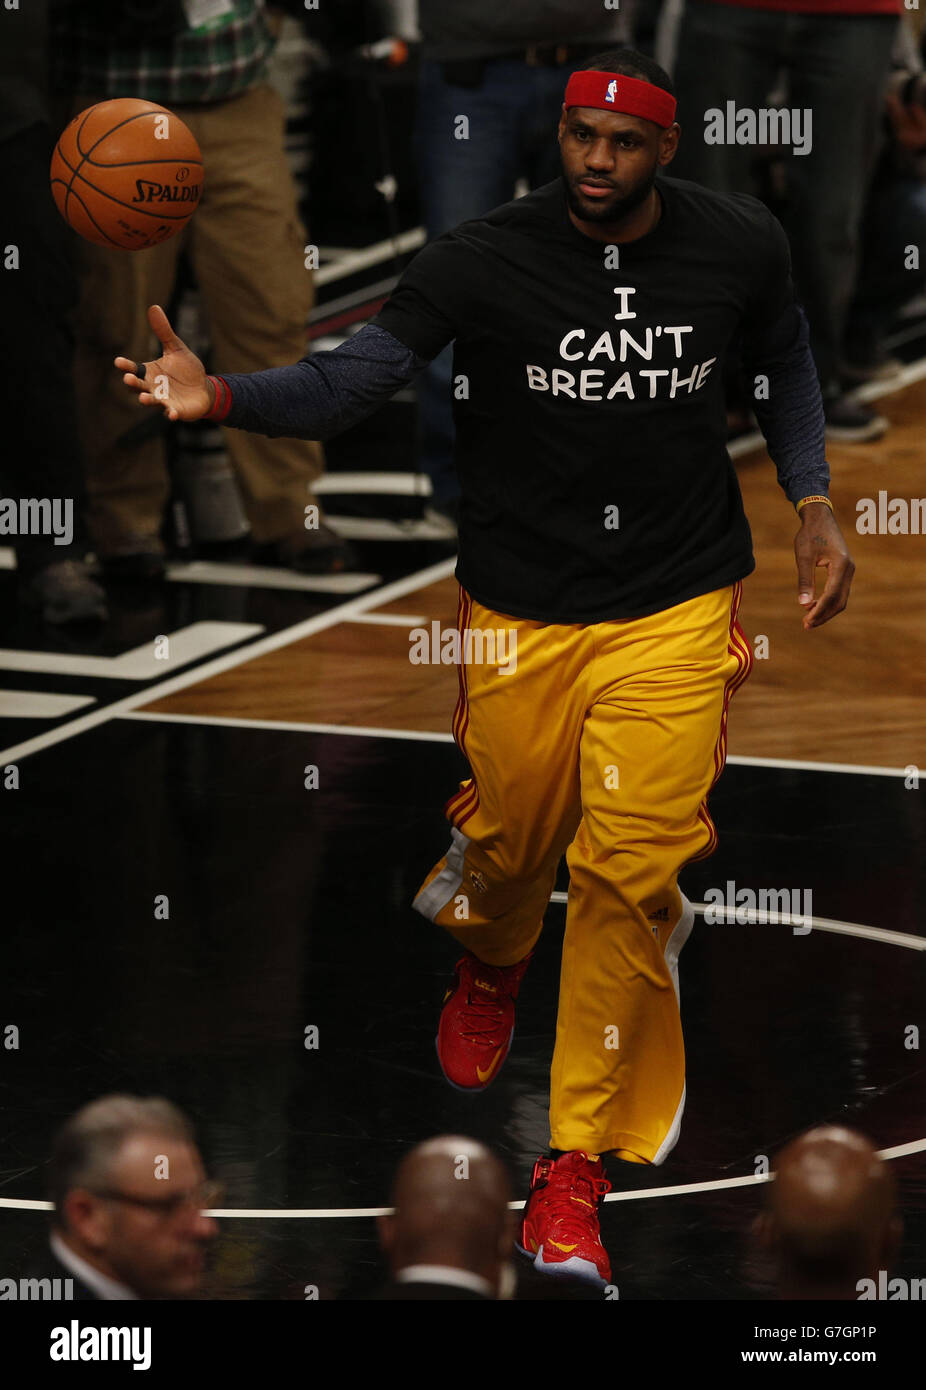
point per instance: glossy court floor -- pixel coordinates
(291, 907)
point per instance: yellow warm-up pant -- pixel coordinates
(602, 741)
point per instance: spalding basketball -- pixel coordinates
(127, 173)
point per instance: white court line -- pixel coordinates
(638, 1195)
(389, 619)
(784, 919)
(37, 704)
(269, 577)
(272, 642)
(858, 769)
(428, 736)
(142, 663)
(286, 725)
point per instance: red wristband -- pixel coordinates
(223, 399)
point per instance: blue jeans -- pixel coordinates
(836, 66)
(512, 134)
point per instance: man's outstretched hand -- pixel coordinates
(819, 542)
(176, 381)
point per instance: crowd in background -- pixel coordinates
(131, 1216)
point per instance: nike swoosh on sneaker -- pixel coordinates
(565, 1248)
(484, 1075)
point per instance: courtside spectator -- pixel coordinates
(830, 1218)
(129, 1192)
(451, 1235)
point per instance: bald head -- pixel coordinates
(830, 1214)
(451, 1198)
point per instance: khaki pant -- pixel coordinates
(603, 741)
(246, 243)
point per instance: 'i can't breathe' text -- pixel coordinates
(625, 350)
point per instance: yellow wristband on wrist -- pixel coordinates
(805, 500)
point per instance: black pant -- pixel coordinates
(39, 449)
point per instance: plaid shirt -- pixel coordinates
(189, 67)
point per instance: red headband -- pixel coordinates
(611, 91)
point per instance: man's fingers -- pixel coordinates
(806, 585)
(820, 546)
(834, 598)
(134, 374)
(824, 609)
(142, 384)
(821, 613)
(160, 324)
(145, 398)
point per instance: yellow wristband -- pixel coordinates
(804, 501)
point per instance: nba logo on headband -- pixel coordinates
(635, 98)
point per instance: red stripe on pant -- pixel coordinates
(738, 647)
(464, 802)
(460, 710)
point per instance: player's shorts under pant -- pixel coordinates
(602, 741)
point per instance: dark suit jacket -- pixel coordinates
(46, 1265)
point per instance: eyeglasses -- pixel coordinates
(203, 1198)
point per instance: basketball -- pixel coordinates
(127, 174)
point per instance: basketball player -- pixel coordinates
(602, 536)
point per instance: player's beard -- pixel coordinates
(610, 210)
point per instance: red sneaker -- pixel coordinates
(477, 1022)
(560, 1227)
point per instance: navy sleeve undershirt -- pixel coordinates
(791, 418)
(325, 392)
(774, 342)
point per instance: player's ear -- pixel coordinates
(668, 144)
(561, 129)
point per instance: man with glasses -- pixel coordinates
(129, 1194)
